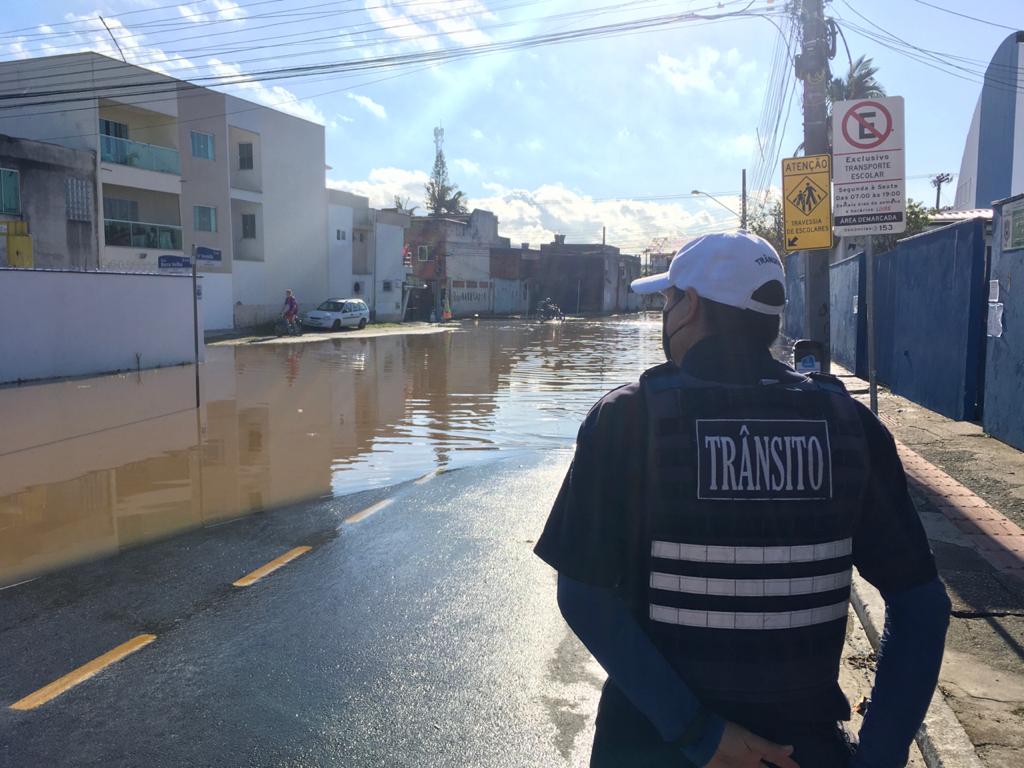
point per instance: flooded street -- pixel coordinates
(91, 467)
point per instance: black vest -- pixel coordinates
(752, 497)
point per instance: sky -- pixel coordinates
(613, 132)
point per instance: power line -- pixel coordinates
(283, 73)
(965, 16)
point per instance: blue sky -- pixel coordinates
(563, 138)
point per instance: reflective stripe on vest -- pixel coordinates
(710, 553)
(748, 620)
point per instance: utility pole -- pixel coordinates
(743, 202)
(812, 68)
(937, 182)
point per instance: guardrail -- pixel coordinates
(138, 155)
(138, 234)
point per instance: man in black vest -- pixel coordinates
(705, 536)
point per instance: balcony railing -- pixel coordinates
(137, 234)
(139, 155)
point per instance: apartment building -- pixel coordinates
(365, 254)
(182, 172)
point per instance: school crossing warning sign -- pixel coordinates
(807, 202)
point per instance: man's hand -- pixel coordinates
(739, 748)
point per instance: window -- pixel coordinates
(204, 218)
(423, 253)
(120, 210)
(361, 235)
(338, 235)
(344, 235)
(202, 145)
(114, 128)
(10, 191)
(244, 156)
(78, 199)
(386, 287)
(248, 226)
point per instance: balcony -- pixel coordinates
(149, 157)
(137, 234)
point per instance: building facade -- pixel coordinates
(365, 254)
(182, 172)
(992, 167)
(585, 278)
(452, 256)
(36, 229)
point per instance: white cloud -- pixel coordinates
(477, 134)
(384, 183)
(706, 72)
(415, 24)
(46, 29)
(740, 146)
(229, 10)
(533, 145)
(466, 166)
(193, 14)
(345, 118)
(371, 106)
(534, 216)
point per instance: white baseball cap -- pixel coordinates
(724, 267)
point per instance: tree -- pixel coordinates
(917, 221)
(859, 83)
(404, 206)
(767, 223)
(443, 196)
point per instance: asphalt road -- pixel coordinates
(424, 634)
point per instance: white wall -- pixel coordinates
(339, 252)
(217, 303)
(389, 240)
(94, 322)
(294, 204)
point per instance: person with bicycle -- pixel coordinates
(290, 310)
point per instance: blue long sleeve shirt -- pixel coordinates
(908, 668)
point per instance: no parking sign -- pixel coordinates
(869, 173)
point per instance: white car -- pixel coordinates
(336, 314)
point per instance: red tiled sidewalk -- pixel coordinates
(993, 536)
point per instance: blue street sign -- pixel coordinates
(174, 262)
(207, 254)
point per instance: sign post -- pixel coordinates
(870, 187)
(807, 202)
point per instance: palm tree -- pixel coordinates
(859, 83)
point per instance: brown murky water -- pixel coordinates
(90, 467)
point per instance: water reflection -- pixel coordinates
(92, 466)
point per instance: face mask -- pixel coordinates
(666, 338)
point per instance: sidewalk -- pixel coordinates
(254, 336)
(969, 490)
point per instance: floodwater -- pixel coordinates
(92, 466)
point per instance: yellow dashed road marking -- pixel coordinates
(83, 673)
(368, 511)
(270, 567)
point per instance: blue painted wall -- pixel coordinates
(1004, 369)
(793, 318)
(847, 318)
(930, 319)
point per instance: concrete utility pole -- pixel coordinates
(812, 68)
(743, 201)
(937, 182)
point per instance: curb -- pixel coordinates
(941, 738)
